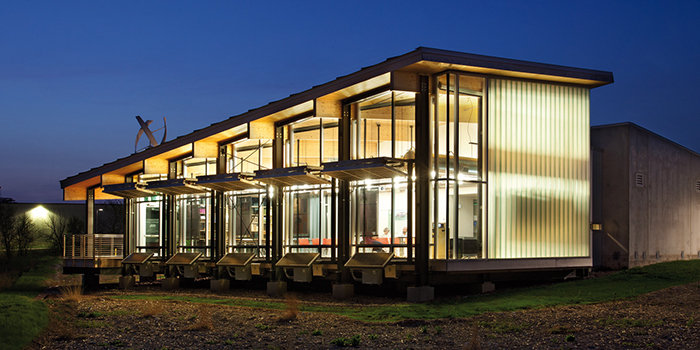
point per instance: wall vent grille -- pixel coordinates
(697, 185)
(639, 180)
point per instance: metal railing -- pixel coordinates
(103, 245)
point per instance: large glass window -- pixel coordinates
(245, 210)
(193, 167)
(383, 125)
(311, 142)
(246, 222)
(309, 227)
(457, 183)
(192, 224)
(148, 224)
(248, 156)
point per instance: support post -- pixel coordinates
(422, 184)
(275, 204)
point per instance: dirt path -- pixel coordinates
(666, 319)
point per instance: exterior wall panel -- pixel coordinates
(538, 172)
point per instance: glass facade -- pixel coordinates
(245, 211)
(457, 183)
(148, 224)
(509, 178)
(382, 125)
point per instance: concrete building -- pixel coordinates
(428, 168)
(646, 195)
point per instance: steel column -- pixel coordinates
(422, 184)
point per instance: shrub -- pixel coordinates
(71, 292)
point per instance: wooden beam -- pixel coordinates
(155, 166)
(101, 195)
(326, 108)
(404, 81)
(74, 193)
(205, 150)
(259, 130)
(111, 179)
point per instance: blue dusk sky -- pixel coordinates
(74, 74)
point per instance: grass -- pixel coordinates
(621, 285)
(23, 318)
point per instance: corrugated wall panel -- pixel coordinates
(539, 176)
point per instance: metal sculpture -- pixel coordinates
(145, 130)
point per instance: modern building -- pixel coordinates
(647, 196)
(431, 167)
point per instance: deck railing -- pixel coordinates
(102, 245)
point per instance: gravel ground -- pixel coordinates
(666, 319)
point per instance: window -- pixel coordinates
(456, 168)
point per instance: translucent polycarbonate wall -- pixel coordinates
(538, 170)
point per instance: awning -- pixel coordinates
(228, 182)
(129, 190)
(295, 176)
(177, 186)
(236, 259)
(365, 169)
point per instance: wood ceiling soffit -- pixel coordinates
(202, 149)
(111, 179)
(155, 166)
(75, 193)
(328, 108)
(100, 195)
(261, 130)
(361, 87)
(405, 81)
(428, 67)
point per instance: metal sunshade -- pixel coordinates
(228, 182)
(295, 176)
(364, 169)
(177, 186)
(369, 260)
(129, 190)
